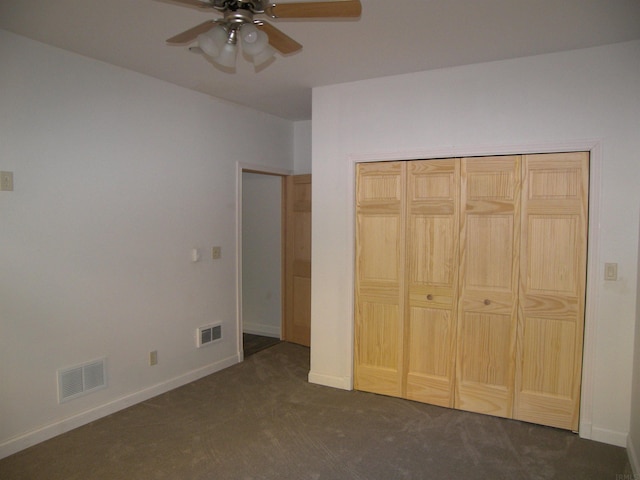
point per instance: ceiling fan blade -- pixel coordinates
(190, 35)
(279, 40)
(336, 9)
(194, 3)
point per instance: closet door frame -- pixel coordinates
(594, 147)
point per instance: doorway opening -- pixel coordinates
(274, 257)
(260, 259)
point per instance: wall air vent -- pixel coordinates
(208, 335)
(80, 380)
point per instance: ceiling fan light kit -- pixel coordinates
(211, 42)
(221, 44)
(253, 40)
(218, 39)
(227, 57)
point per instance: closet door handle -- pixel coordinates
(487, 301)
(429, 297)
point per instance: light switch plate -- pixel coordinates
(611, 271)
(6, 181)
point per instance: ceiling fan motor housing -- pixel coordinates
(254, 6)
(234, 20)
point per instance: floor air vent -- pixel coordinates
(207, 335)
(80, 380)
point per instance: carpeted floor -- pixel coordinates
(261, 419)
(252, 344)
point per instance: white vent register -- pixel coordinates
(208, 335)
(82, 379)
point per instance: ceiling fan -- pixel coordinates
(219, 38)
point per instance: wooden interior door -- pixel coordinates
(552, 288)
(433, 206)
(487, 311)
(470, 283)
(379, 309)
(297, 288)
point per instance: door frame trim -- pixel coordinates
(248, 168)
(593, 287)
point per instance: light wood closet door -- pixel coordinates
(380, 272)
(433, 206)
(552, 291)
(490, 238)
(470, 283)
(297, 298)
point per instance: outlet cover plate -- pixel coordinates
(6, 181)
(611, 271)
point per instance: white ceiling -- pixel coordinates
(392, 37)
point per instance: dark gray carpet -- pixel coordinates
(262, 420)
(252, 344)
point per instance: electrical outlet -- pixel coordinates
(153, 358)
(611, 271)
(216, 253)
(6, 181)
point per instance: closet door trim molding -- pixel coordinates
(593, 290)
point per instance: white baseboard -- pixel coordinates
(343, 383)
(15, 444)
(261, 329)
(634, 456)
(585, 429)
(612, 437)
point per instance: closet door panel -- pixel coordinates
(490, 237)
(486, 362)
(552, 290)
(489, 247)
(378, 346)
(432, 279)
(430, 369)
(380, 272)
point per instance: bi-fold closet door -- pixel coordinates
(470, 281)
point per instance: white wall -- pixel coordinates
(117, 177)
(302, 147)
(587, 97)
(262, 254)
